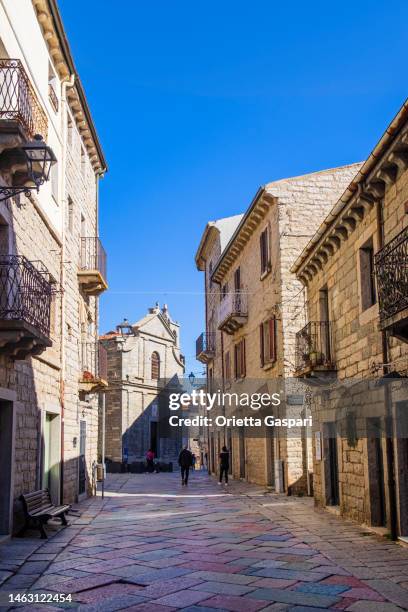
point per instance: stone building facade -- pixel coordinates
(144, 365)
(254, 305)
(52, 267)
(353, 350)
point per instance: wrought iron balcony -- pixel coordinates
(314, 349)
(25, 307)
(21, 114)
(233, 311)
(92, 269)
(205, 347)
(94, 366)
(391, 269)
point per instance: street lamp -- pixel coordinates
(191, 378)
(30, 166)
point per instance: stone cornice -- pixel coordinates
(381, 170)
(54, 35)
(248, 224)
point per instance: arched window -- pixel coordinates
(155, 366)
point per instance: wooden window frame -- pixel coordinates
(227, 364)
(367, 275)
(264, 248)
(267, 342)
(240, 359)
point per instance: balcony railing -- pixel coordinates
(53, 98)
(94, 370)
(25, 307)
(233, 311)
(92, 272)
(205, 346)
(25, 293)
(314, 348)
(18, 101)
(391, 268)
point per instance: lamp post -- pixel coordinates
(32, 163)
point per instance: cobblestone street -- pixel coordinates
(152, 545)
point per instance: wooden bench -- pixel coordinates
(38, 509)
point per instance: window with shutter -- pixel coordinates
(239, 357)
(267, 339)
(227, 367)
(367, 278)
(264, 250)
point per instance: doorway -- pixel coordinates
(324, 346)
(82, 459)
(51, 455)
(331, 465)
(6, 462)
(241, 453)
(153, 437)
(376, 472)
(401, 414)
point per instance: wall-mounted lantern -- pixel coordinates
(29, 165)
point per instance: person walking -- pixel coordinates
(224, 464)
(185, 461)
(150, 460)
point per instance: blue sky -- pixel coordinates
(199, 103)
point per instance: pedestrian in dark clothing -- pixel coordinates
(185, 461)
(150, 460)
(224, 464)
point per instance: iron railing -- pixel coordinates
(18, 101)
(93, 255)
(94, 363)
(233, 304)
(25, 292)
(391, 269)
(205, 343)
(53, 98)
(314, 346)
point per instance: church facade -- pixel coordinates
(144, 365)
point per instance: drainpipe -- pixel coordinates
(389, 440)
(68, 83)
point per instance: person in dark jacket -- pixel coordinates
(224, 464)
(185, 461)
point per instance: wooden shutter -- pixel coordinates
(272, 338)
(243, 358)
(261, 345)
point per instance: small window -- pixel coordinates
(70, 221)
(155, 366)
(367, 277)
(227, 367)
(224, 291)
(267, 341)
(239, 355)
(237, 279)
(264, 251)
(52, 88)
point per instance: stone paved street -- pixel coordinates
(153, 545)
